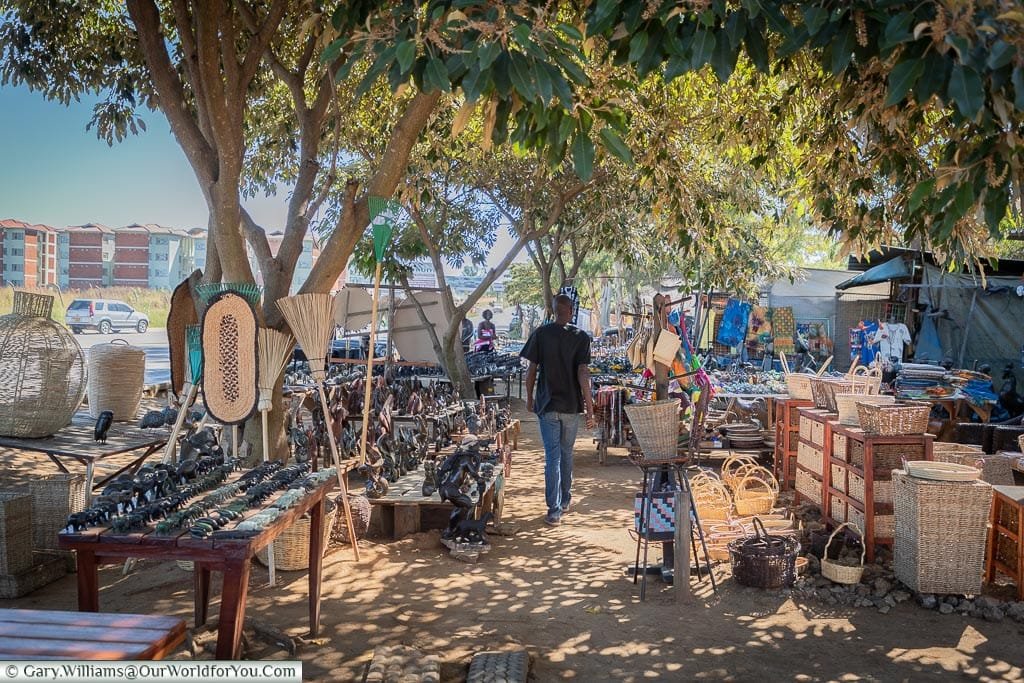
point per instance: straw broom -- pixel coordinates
(194, 372)
(311, 317)
(273, 348)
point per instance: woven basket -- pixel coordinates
(1020, 443)
(291, 548)
(996, 469)
(841, 387)
(756, 494)
(181, 316)
(1006, 437)
(808, 487)
(54, 497)
(15, 532)
(894, 420)
(42, 370)
(940, 534)
(798, 385)
(117, 373)
(732, 466)
(711, 498)
(846, 406)
(870, 380)
(656, 426)
(764, 560)
(839, 573)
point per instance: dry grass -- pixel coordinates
(153, 302)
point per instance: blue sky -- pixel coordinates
(55, 172)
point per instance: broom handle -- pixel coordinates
(337, 468)
(369, 365)
(271, 560)
(182, 409)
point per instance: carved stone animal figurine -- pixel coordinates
(472, 530)
(103, 423)
(152, 419)
(429, 478)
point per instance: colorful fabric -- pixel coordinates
(759, 327)
(734, 323)
(784, 328)
(707, 334)
(661, 515)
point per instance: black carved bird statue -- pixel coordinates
(103, 423)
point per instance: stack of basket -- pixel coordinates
(995, 469)
(941, 528)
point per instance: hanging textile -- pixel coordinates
(784, 328)
(759, 327)
(734, 323)
(707, 334)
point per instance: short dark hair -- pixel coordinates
(563, 299)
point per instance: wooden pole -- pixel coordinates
(337, 466)
(172, 440)
(369, 365)
(660, 369)
(967, 324)
(271, 561)
(681, 574)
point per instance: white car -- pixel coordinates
(104, 316)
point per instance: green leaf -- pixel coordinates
(676, 66)
(814, 18)
(902, 78)
(933, 79)
(1002, 54)
(571, 68)
(703, 46)
(637, 45)
(1018, 87)
(603, 17)
(472, 84)
(757, 49)
(614, 144)
(570, 31)
(963, 200)
(522, 78)
(565, 127)
(967, 90)
(560, 85)
(723, 61)
(736, 28)
(332, 51)
(543, 81)
(583, 156)
(897, 30)
(435, 76)
(500, 74)
(488, 53)
(922, 190)
(406, 54)
(842, 49)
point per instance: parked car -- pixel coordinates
(104, 316)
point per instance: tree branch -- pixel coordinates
(261, 40)
(256, 236)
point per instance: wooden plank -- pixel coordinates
(31, 647)
(80, 633)
(407, 520)
(87, 619)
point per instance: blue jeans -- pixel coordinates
(558, 432)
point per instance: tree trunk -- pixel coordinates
(453, 360)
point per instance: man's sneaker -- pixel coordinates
(567, 509)
(552, 520)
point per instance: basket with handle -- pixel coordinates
(846, 406)
(869, 379)
(824, 390)
(656, 426)
(840, 573)
(763, 560)
(117, 373)
(731, 466)
(893, 420)
(756, 494)
(798, 384)
(711, 499)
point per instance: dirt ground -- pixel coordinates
(561, 593)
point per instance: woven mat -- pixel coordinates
(182, 314)
(230, 371)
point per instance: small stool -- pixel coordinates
(1005, 551)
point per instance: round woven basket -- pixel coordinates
(42, 370)
(756, 494)
(117, 372)
(711, 499)
(656, 425)
(291, 548)
(839, 573)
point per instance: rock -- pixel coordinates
(927, 601)
(992, 614)
(1015, 610)
(882, 587)
(946, 608)
(965, 606)
(889, 600)
(951, 600)
(983, 602)
(884, 609)
(901, 596)
(863, 591)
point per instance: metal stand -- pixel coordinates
(675, 473)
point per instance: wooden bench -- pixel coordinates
(48, 634)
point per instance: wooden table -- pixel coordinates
(1005, 549)
(46, 634)
(76, 442)
(232, 557)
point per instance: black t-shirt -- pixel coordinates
(558, 350)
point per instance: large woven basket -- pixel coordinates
(763, 560)
(117, 373)
(54, 497)
(901, 418)
(656, 425)
(798, 385)
(15, 532)
(940, 534)
(756, 493)
(291, 548)
(711, 498)
(840, 573)
(846, 406)
(996, 469)
(42, 370)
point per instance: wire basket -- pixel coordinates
(840, 573)
(894, 420)
(763, 560)
(656, 426)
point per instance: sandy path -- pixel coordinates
(561, 593)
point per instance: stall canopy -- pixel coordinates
(893, 269)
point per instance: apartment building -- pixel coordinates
(90, 256)
(303, 266)
(28, 254)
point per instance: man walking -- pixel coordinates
(562, 354)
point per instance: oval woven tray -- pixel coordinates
(942, 471)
